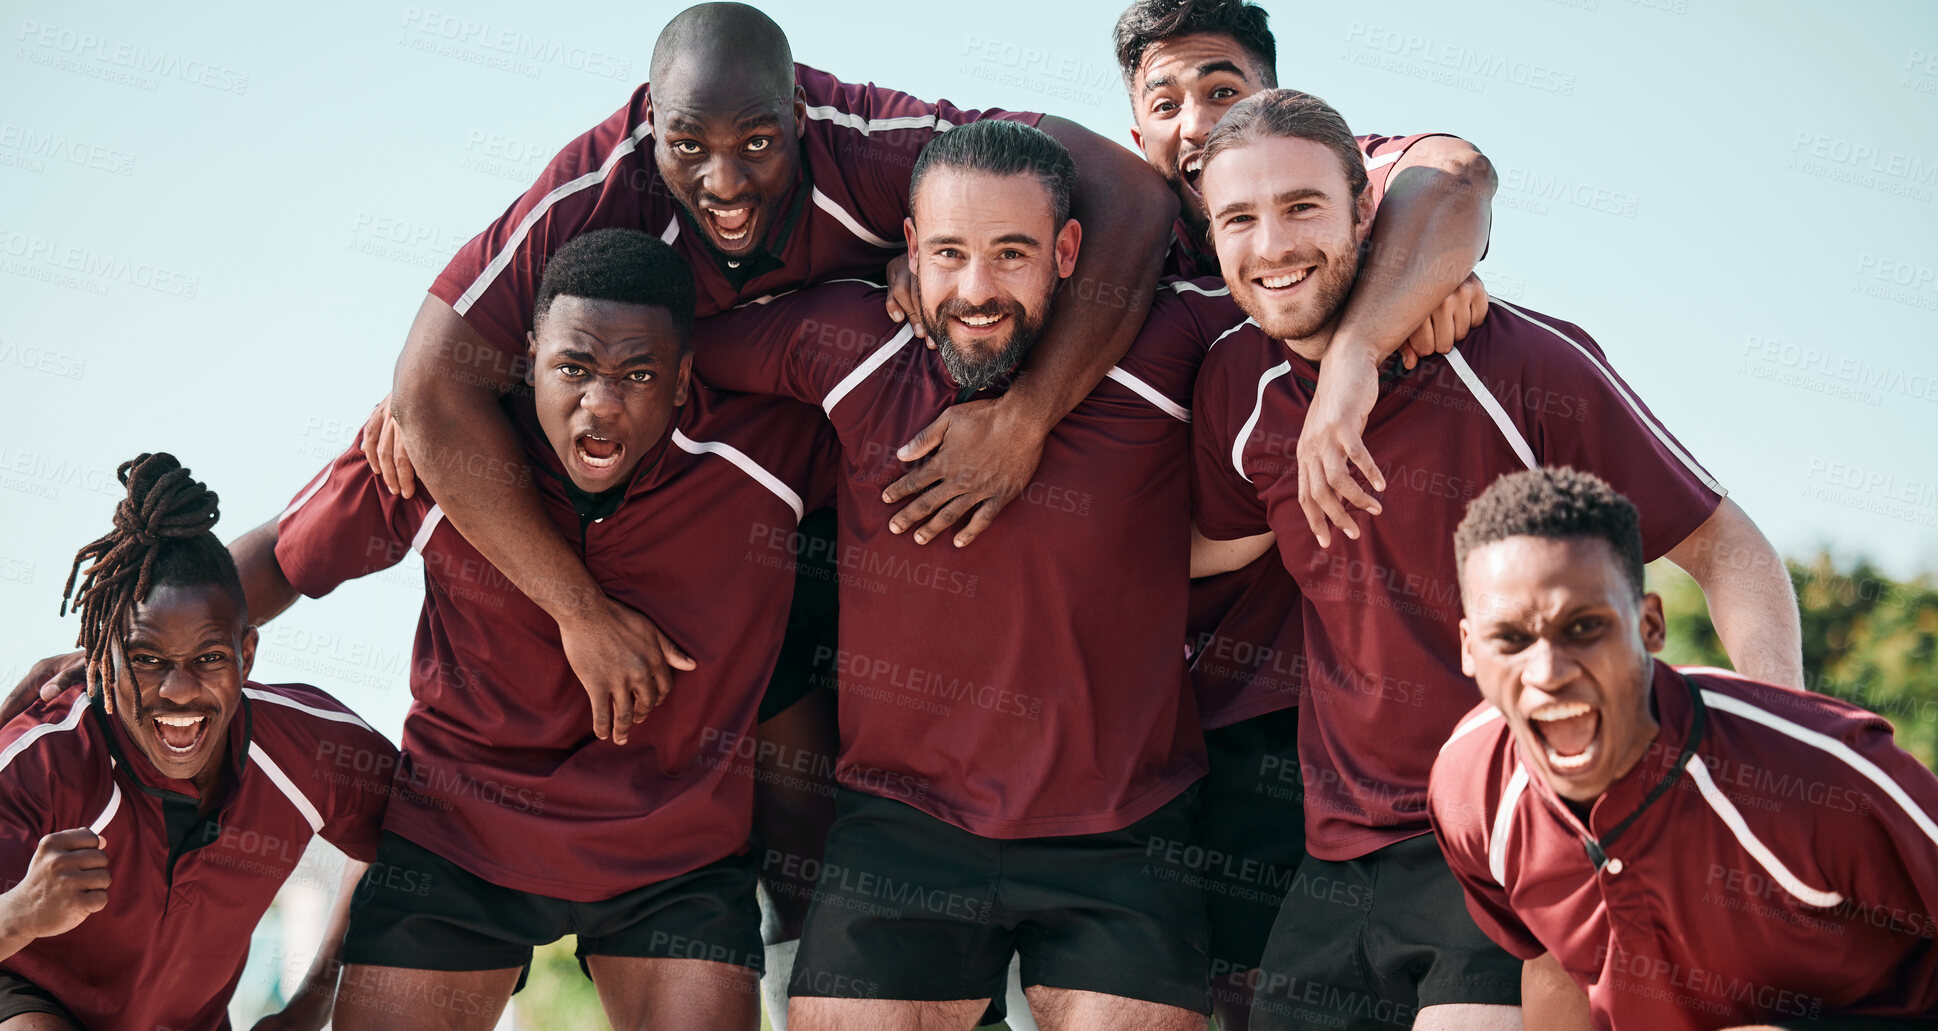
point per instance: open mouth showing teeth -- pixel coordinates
(979, 321)
(1192, 168)
(1569, 732)
(732, 224)
(1282, 280)
(597, 452)
(180, 735)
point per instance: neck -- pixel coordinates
(1313, 348)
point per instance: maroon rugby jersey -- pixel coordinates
(1032, 683)
(501, 773)
(1245, 638)
(1381, 662)
(1790, 872)
(185, 890)
(843, 218)
(1191, 257)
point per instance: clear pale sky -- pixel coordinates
(220, 219)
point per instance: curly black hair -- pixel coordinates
(1558, 504)
(625, 265)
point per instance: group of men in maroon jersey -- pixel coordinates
(1246, 483)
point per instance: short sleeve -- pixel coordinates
(345, 524)
(883, 131)
(351, 766)
(1588, 418)
(594, 181)
(1381, 153)
(1224, 505)
(1459, 824)
(800, 345)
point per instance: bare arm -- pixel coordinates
(268, 592)
(1550, 999)
(1209, 557)
(980, 455)
(447, 408)
(1751, 600)
(1430, 229)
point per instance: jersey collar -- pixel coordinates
(152, 781)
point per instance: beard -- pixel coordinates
(969, 367)
(1331, 282)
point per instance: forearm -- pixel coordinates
(12, 937)
(467, 452)
(1751, 601)
(1126, 213)
(266, 590)
(1430, 229)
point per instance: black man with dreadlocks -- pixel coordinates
(148, 818)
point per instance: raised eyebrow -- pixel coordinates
(1222, 66)
(1235, 207)
(1159, 83)
(1023, 238)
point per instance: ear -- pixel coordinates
(800, 111)
(1466, 649)
(908, 234)
(649, 110)
(1655, 626)
(683, 382)
(1068, 240)
(531, 358)
(247, 660)
(1362, 214)
(1138, 139)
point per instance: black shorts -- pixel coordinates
(1251, 833)
(417, 910)
(807, 651)
(1369, 942)
(911, 907)
(19, 997)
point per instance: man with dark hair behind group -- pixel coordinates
(1379, 931)
(1697, 849)
(1185, 63)
(1018, 735)
(149, 816)
(522, 825)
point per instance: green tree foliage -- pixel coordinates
(1867, 639)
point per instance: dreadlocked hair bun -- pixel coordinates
(163, 533)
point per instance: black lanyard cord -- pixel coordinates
(1698, 723)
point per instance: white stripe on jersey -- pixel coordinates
(1493, 406)
(1828, 744)
(1504, 822)
(286, 786)
(324, 714)
(422, 538)
(107, 812)
(827, 204)
(867, 367)
(316, 485)
(585, 182)
(1245, 431)
(72, 720)
(1745, 837)
(1150, 393)
(1470, 726)
(1634, 405)
(1183, 286)
(864, 126)
(746, 465)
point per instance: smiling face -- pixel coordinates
(987, 254)
(1287, 231)
(188, 651)
(726, 148)
(607, 378)
(1181, 89)
(1558, 641)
